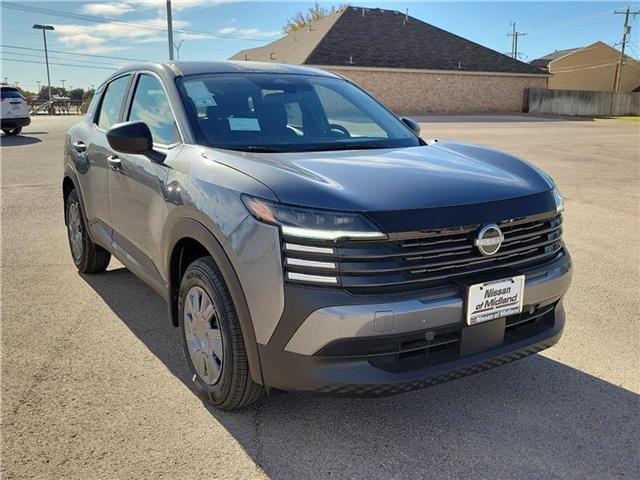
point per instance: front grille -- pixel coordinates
(420, 259)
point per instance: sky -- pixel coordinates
(216, 29)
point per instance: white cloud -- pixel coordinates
(247, 32)
(193, 36)
(111, 35)
(107, 9)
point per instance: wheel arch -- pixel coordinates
(188, 240)
(69, 183)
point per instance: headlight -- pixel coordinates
(558, 199)
(310, 223)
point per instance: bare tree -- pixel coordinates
(313, 14)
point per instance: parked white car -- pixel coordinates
(15, 111)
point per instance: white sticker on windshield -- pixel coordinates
(200, 94)
(244, 124)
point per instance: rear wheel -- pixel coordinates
(212, 339)
(88, 257)
(12, 131)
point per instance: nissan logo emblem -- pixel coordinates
(489, 239)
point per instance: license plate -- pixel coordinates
(495, 299)
(16, 106)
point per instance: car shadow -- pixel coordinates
(17, 140)
(535, 418)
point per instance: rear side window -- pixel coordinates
(10, 93)
(112, 102)
(151, 106)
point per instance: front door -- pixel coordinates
(90, 146)
(137, 184)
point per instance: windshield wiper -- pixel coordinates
(347, 146)
(251, 148)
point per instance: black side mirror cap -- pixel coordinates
(133, 138)
(412, 124)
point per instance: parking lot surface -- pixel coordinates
(94, 386)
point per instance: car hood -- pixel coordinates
(437, 175)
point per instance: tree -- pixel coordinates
(76, 94)
(313, 14)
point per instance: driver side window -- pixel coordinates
(151, 106)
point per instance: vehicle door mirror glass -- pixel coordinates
(133, 138)
(412, 124)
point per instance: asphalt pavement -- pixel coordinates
(94, 384)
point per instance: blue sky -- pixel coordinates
(217, 29)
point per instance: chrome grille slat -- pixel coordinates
(364, 266)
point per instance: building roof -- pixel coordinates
(543, 62)
(373, 37)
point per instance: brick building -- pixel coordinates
(411, 66)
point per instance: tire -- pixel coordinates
(88, 257)
(12, 131)
(228, 384)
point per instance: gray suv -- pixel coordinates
(306, 239)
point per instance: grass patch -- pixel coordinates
(630, 119)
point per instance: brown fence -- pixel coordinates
(581, 103)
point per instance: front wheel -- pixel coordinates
(12, 131)
(212, 339)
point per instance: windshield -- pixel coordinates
(288, 113)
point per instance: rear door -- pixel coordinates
(138, 186)
(14, 105)
(91, 142)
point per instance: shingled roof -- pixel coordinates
(543, 62)
(373, 37)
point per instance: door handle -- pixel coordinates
(79, 146)
(115, 163)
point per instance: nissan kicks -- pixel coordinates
(305, 238)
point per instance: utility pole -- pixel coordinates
(62, 81)
(170, 29)
(44, 29)
(38, 82)
(514, 40)
(625, 31)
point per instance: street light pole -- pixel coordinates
(44, 29)
(62, 81)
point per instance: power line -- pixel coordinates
(74, 53)
(571, 22)
(36, 55)
(58, 64)
(90, 18)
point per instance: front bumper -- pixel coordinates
(15, 122)
(333, 342)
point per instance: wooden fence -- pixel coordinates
(580, 103)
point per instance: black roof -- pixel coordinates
(373, 37)
(386, 38)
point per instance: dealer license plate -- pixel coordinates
(495, 299)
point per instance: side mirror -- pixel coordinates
(133, 138)
(412, 124)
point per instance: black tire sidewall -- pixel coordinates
(12, 131)
(199, 274)
(73, 197)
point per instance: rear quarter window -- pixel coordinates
(10, 93)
